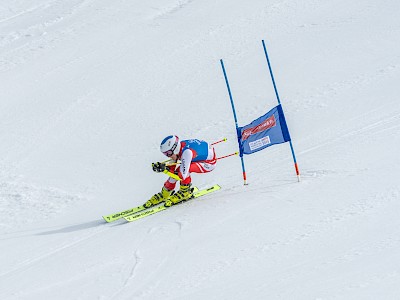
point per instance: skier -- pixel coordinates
(195, 156)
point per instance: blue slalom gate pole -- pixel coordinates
(279, 102)
(236, 123)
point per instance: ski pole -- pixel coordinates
(176, 177)
(220, 141)
(168, 161)
(172, 175)
(236, 153)
(225, 156)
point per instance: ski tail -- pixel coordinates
(119, 215)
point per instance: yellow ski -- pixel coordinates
(116, 216)
(119, 215)
(151, 211)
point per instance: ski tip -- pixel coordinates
(215, 187)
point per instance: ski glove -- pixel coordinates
(159, 167)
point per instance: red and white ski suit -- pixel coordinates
(196, 156)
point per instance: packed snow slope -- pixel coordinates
(89, 88)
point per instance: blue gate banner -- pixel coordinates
(267, 130)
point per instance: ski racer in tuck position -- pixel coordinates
(195, 156)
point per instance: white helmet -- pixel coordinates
(170, 145)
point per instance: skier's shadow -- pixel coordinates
(75, 227)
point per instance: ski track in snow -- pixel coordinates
(319, 97)
(177, 6)
(36, 260)
(127, 280)
(23, 12)
(24, 204)
(326, 223)
(366, 129)
(39, 28)
(168, 256)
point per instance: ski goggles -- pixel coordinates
(171, 151)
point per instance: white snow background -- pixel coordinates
(88, 89)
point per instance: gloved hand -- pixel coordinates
(159, 167)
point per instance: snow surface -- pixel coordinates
(89, 89)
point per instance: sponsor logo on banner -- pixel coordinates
(267, 124)
(259, 143)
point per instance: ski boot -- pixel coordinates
(185, 193)
(158, 198)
